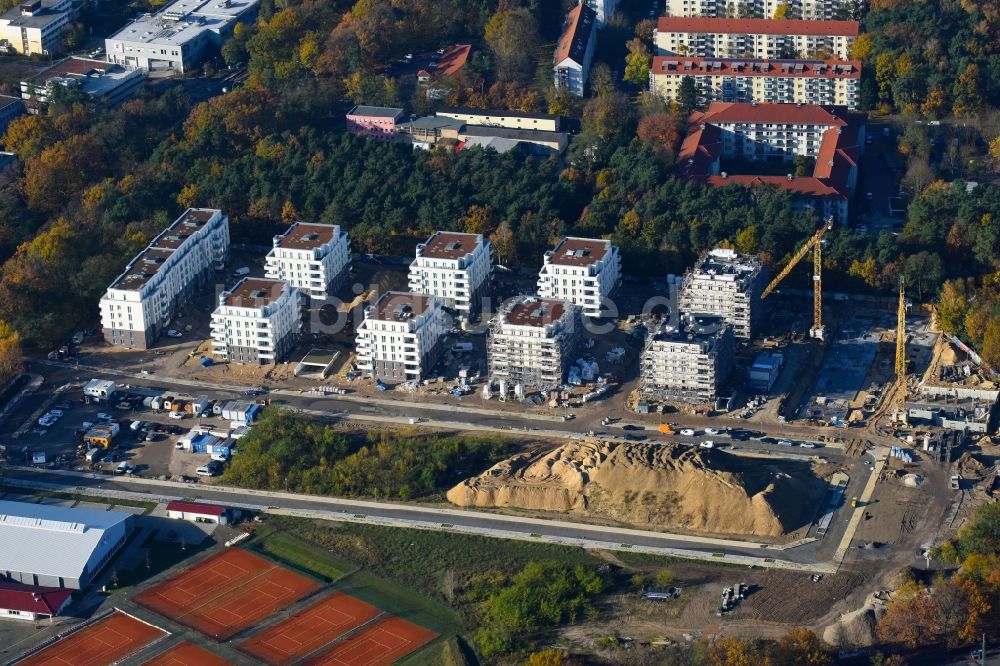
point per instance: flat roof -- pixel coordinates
(758, 26)
(400, 306)
(513, 133)
(573, 251)
(145, 265)
(46, 16)
(375, 111)
(182, 21)
(253, 293)
(433, 123)
(306, 236)
(95, 77)
(196, 507)
(817, 69)
(7, 100)
(535, 312)
(51, 540)
(450, 245)
(503, 113)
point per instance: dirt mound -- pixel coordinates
(651, 485)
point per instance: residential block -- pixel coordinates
(257, 322)
(585, 271)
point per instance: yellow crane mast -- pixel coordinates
(814, 244)
(901, 353)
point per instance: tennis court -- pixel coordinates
(227, 593)
(378, 645)
(187, 654)
(105, 642)
(309, 629)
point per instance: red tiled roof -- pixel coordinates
(819, 69)
(195, 507)
(788, 114)
(32, 599)
(801, 185)
(577, 33)
(757, 26)
(453, 59)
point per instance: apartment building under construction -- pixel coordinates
(687, 363)
(532, 341)
(727, 284)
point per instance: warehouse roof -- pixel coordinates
(51, 540)
(31, 598)
(195, 507)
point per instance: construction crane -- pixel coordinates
(814, 243)
(901, 354)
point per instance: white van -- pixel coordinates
(122, 468)
(241, 272)
(203, 471)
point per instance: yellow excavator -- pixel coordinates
(814, 243)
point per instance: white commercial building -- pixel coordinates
(726, 284)
(35, 27)
(313, 258)
(257, 322)
(517, 120)
(178, 36)
(763, 39)
(825, 82)
(98, 80)
(455, 267)
(143, 300)
(532, 341)
(583, 270)
(99, 389)
(400, 337)
(690, 363)
(55, 546)
(197, 512)
(803, 9)
(575, 50)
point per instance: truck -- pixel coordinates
(156, 403)
(94, 456)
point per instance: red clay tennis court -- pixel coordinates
(378, 645)
(309, 629)
(187, 654)
(227, 593)
(104, 642)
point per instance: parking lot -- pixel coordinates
(145, 441)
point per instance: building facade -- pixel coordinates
(401, 337)
(585, 271)
(761, 39)
(10, 108)
(687, 364)
(257, 322)
(575, 50)
(826, 82)
(35, 27)
(603, 9)
(499, 118)
(313, 258)
(180, 35)
(55, 546)
(455, 267)
(98, 80)
(820, 10)
(728, 285)
(727, 136)
(532, 341)
(373, 122)
(142, 301)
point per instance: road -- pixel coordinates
(425, 517)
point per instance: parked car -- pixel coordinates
(176, 415)
(55, 412)
(124, 404)
(103, 416)
(688, 432)
(807, 445)
(707, 444)
(203, 471)
(137, 425)
(173, 333)
(784, 442)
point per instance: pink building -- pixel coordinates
(375, 122)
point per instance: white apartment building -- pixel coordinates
(35, 27)
(532, 341)
(687, 364)
(575, 50)
(726, 284)
(180, 35)
(583, 270)
(817, 10)
(142, 301)
(762, 39)
(517, 120)
(825, 82)
(313, 258)
(455, 267)
(401, 336)
(257, 322)
(603, 9)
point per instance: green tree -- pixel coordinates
(687, 94)
(512, 35)
(967, 94)
(637, 62)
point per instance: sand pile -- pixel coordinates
(651, 485)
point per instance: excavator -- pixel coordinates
(818, 331)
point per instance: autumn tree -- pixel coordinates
(504, 244)
(661, 132)
(799, 647)
(637, 62)
(512, 35)
(11, 355)
(967, 94)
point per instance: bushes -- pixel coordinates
(288, 452)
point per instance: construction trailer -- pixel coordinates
(101, 435)
(99, 389)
